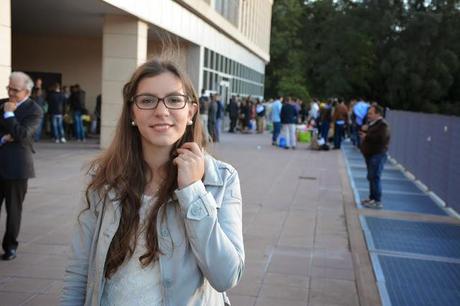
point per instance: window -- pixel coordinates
(221, 63)
(211, 64)
(206, 64)
(229, 9)
(205, 79)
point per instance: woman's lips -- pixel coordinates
(162, 127)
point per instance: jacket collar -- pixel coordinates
(212, 175)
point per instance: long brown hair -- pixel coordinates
(122, 170)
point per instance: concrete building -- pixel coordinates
(222, 44)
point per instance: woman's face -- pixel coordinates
(161, 127)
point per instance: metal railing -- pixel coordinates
(428, 146)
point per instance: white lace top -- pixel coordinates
(132, 284)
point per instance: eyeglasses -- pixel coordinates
(145, 101)
(15, 90)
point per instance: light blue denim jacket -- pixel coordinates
(201, 239)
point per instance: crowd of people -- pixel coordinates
(328, 122)
(65, 115)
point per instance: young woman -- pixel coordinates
(161, 221)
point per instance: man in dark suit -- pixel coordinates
(19, 118)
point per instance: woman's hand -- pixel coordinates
(190, 164)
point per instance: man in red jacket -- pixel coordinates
(374, 146)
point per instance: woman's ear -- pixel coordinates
(192, 110)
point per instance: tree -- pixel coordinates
(403, 54)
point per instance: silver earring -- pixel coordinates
(190, 122)
(133, 123)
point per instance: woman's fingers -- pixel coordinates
(192, 146)
(190, 164)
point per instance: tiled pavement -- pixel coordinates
(298, 250)
(413, 240)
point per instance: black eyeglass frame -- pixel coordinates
(15, 90)
(187, 99)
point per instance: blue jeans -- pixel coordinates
(218, 129)
(375, 165)
(58, 128)
(276, 131)
(355, 135)
(338, 134)
(78, 124)
(325, 130)
(38, 131)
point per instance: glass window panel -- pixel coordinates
(210, 76)
(205, 79)
(206, 64)
(211, 64)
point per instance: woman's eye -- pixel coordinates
(175, 99)
(148, 101)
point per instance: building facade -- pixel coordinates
(222, 44)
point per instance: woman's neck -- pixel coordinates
(156, 158)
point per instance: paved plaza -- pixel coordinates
(300, 226)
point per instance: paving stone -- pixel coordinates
(241, 300)
(333, 291)
(17, 284)
(43, 300)
(286, 280)
(269, 301)
(284, 292)
(13, 298)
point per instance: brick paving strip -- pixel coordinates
(303, 242)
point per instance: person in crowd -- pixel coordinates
(325, 118)
(212, 113)
(219, 117)
(69, 125)
(359, 118)
(252, 115)
(245, 111)
(77, 100)
(303, 113)
(204, 110)
(375, 139)
(260, 116)
(276, 119)
(38, 97)
(66, 91)
(233, 111)
(56, 108)
(297, 104)
(98, 112)
(313, 114)
(161, 220)
(268, 110)
(339, 119)
(19, 118)
(289, 117)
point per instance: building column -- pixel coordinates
(194, 67)
(124, 48)
(5, 45)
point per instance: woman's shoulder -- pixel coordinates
(215, 165)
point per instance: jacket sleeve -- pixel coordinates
(76, 273)
(215, 235)
(24, 129)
